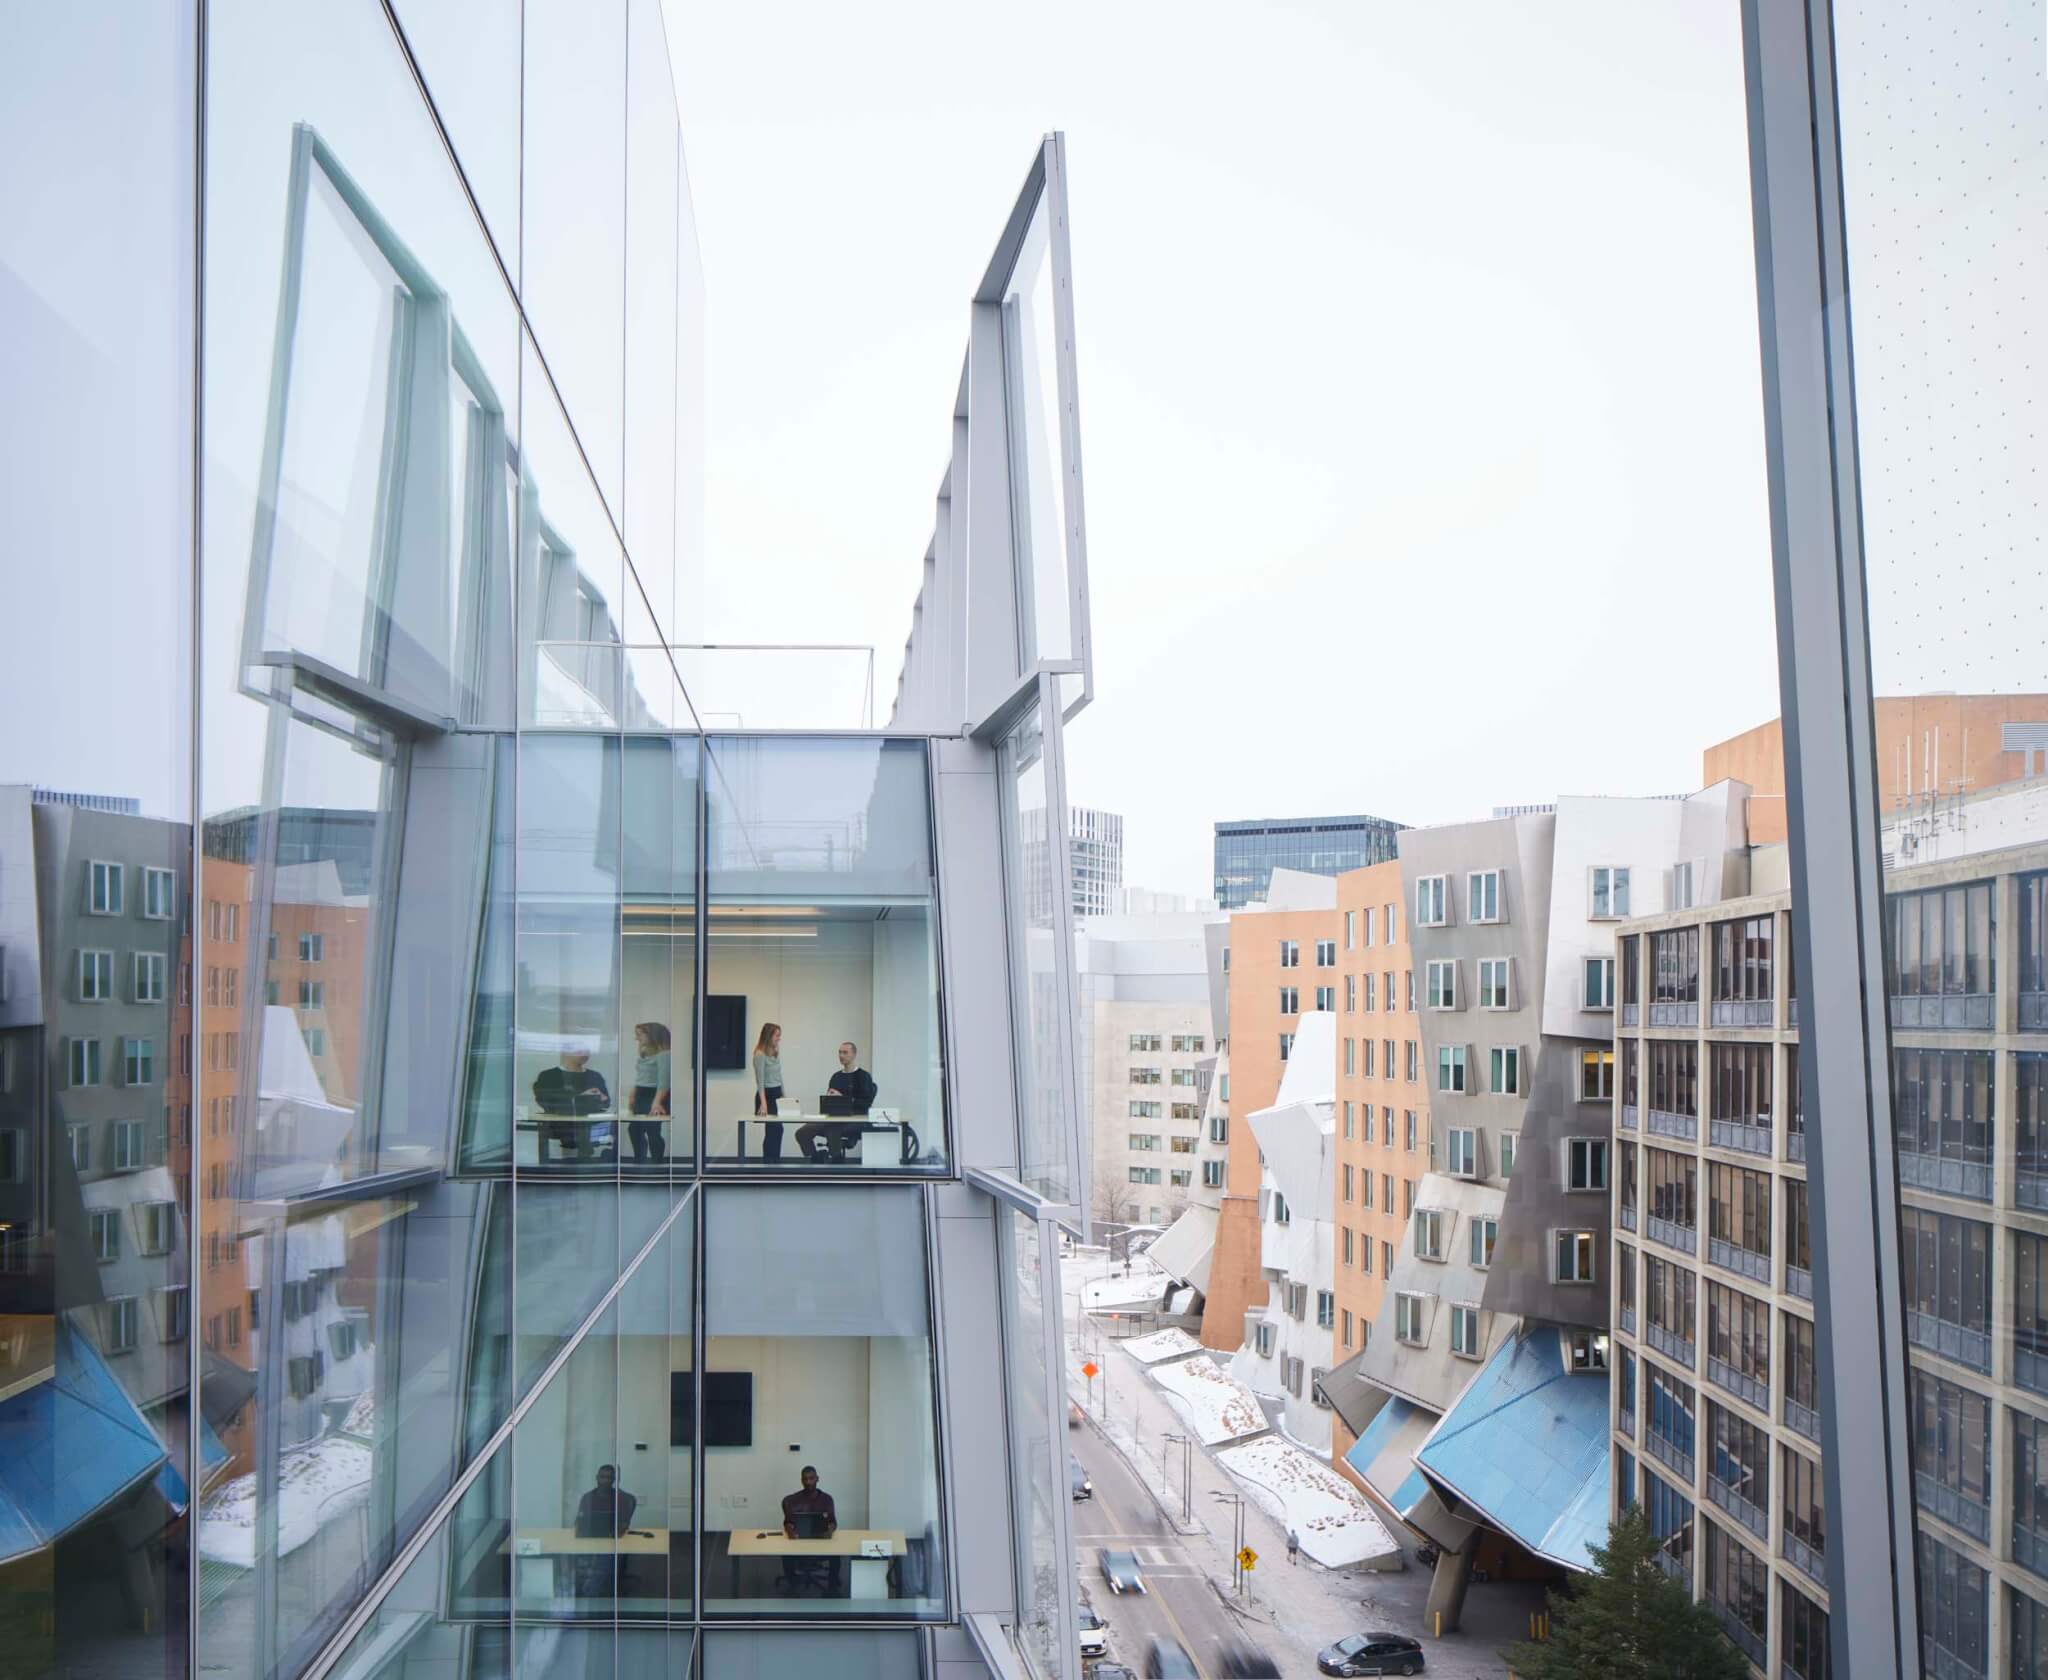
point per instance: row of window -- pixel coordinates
(147, 975)
(1141, 1043)
(1409, 1125)
(1486, 899)
(156, 1227)
(1179, 1178)
(1326, 953)
(1182, 1145)
(1145, 1109)
(1358, 927)
(85, 1061)
(106, 890)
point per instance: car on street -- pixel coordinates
(1372, 1653)
(1241, 1660)
(1120, 1570)
(1077, 1479)
(1111, 1671)
(1094, 1634)
(1168, 1659)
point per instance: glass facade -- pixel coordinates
(472, 1141)
(1247, 853)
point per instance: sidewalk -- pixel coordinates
(1291, 1611)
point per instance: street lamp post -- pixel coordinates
(1237, 1540)
(1187, 1475)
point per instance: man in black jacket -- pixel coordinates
(573, 1088)
(857, 1086)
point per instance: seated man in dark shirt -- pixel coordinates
(814, 1502)
(573, 1088)
(858, 1087)
(604, 1513)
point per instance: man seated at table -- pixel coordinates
(573, 1088)
(857, 1088)
(604, 1513)
(809, 1514)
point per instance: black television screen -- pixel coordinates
(725, 1031)
(728, 1408)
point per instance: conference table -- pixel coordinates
(860, 1125)
(537, 1551)
(868, 1549)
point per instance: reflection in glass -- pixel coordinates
(820, 924)
(816, 1407)
(1031, 373)
(1036, 1509)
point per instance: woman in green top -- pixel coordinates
(650, 1091)
(768, 1088)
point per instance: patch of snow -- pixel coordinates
(1214, 1406)
(1161, 1344)
(1181, 1301)
(316, 1483)
(1140, 1289)
(1335, 1524)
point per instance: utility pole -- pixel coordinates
(1187, 1475)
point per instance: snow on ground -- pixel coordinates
(1334, 1522)
(1143, 1288)
(1161, 1344)
(316, 1484)
(1213, 1405)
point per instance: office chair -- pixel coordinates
(819, 1572)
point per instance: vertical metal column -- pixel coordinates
(1832, 829)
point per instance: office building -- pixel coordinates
(1145, 1039)
(419, 1254)
(1095, 860)
(1248, 852)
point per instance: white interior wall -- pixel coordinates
(818, 991)
(810, 1407)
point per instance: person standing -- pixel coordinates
(768, 1088)
(1293, 1548)
(650, 1092)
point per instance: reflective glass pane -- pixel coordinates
(658, 963)
(816, 1406)
(765, 1654)
(1031, 355)
(469, 58)
(821, 1005)
(1037, 1508)
(653, 173)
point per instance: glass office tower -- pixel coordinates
(494, 1175)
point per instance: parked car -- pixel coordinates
(1168, 1659)
(1077, 1479)
(1120, 1570)
(1372, 1653)
(1094, 1634)
(1111, 1671)
(1239, 1660)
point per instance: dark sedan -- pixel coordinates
(1168, 1659)
(1120, 1570)
(1372, 1653)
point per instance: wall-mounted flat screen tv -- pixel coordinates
(725, 1032)
(728, 1408)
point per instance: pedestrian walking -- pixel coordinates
(1293, 1548)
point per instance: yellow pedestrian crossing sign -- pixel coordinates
(1247, 1558)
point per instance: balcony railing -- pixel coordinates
(1799, 1281)
(1738, 1383)
(1628, 1321)
(1802, 1419)
(1802, 1556)
(1742, 1012)
(1747, 1640)
(1631, 1117)
(1670, 1454)
(1669, 1343)
(2030, 1549)
(1625, 1217)
(2030, 1188)
(1675, 1014)
(1672, 1235)
(1795, 1144)
(1945, 1176)
(1666, 1124)
(2030, 1369)
(1964, 1012)
(1736, 1259)
(1631, 1014)
(1746, 1511)
(1739, 1134)
(2034, 1012)
(1952, 1506)
(1675, 1567)
(1952, 1341)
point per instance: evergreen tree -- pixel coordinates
(1628, 1620)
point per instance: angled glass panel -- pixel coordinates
(653, 176)
(822, 1049)
(816, 1406)
(658, 961)
(764, 1653)
(469, 59)
(1037, 1510)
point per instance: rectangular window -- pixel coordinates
(1290, 953)
(1212, 1175)
(1145, 1076)
(95, 976)
(1585, 1163)
(103, 892)
(1326, 1309)
(1943, 945)
(1326, 953)
(1574, 1256)
(1461, 1150)
(312, 994)
(1464, 1330)
(1483, 1234)
(1440, 985)
(156, 1226)
(174, 1313)
(1743, 964)
(1264, 1336)
(1505, 1072)
(1144, 1175)
(1608, 894)
(1144, 1140)
(1674, 1079)
(1290, 1000)
(1450, 1069)
(1386, 1192)
(1219, 1128)
(1326, 999)
(1675, 972)
(1432, 901)
(1407, 1129)
(1350, 994)
(1369, 1004)
(1410, 1321)
(1143, 1110)
(1350, 928)
(81, 1147)
(1286, 1045)
(1483, 896)
(1596, 1076)
(1144, 1042)
(1183, 1077)
(1599, 984)
(1179, 1179)
(1349, 1243)
(1190, 1044)
(1496, 976)
(1508, 1140)
(138, 1061)
(1365, 927)
(1410, 1057)
(104, 1226)
(82, 1061)
(128, 1145)
(159, 893)
(120, 1317)
(147, 978)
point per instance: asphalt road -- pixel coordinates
(1178, 1602)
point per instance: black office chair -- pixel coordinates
(819, 1572)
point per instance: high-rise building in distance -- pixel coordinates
(1248, 852)
(1095, 859)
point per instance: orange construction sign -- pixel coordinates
(1089, 1368)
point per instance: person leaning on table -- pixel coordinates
(768, 1088)
(573, 1088)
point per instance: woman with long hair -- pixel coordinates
(768, 1088)
(650, 1092)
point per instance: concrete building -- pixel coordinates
(1095, 860)
(1145, 1035)
(1248, 852)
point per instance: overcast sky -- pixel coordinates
(1418, 377)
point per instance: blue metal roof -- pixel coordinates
(1393, 1433)
(1526, 1445)
(68, 1447)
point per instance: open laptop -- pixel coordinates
(809, 1525)
(836, 1105)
